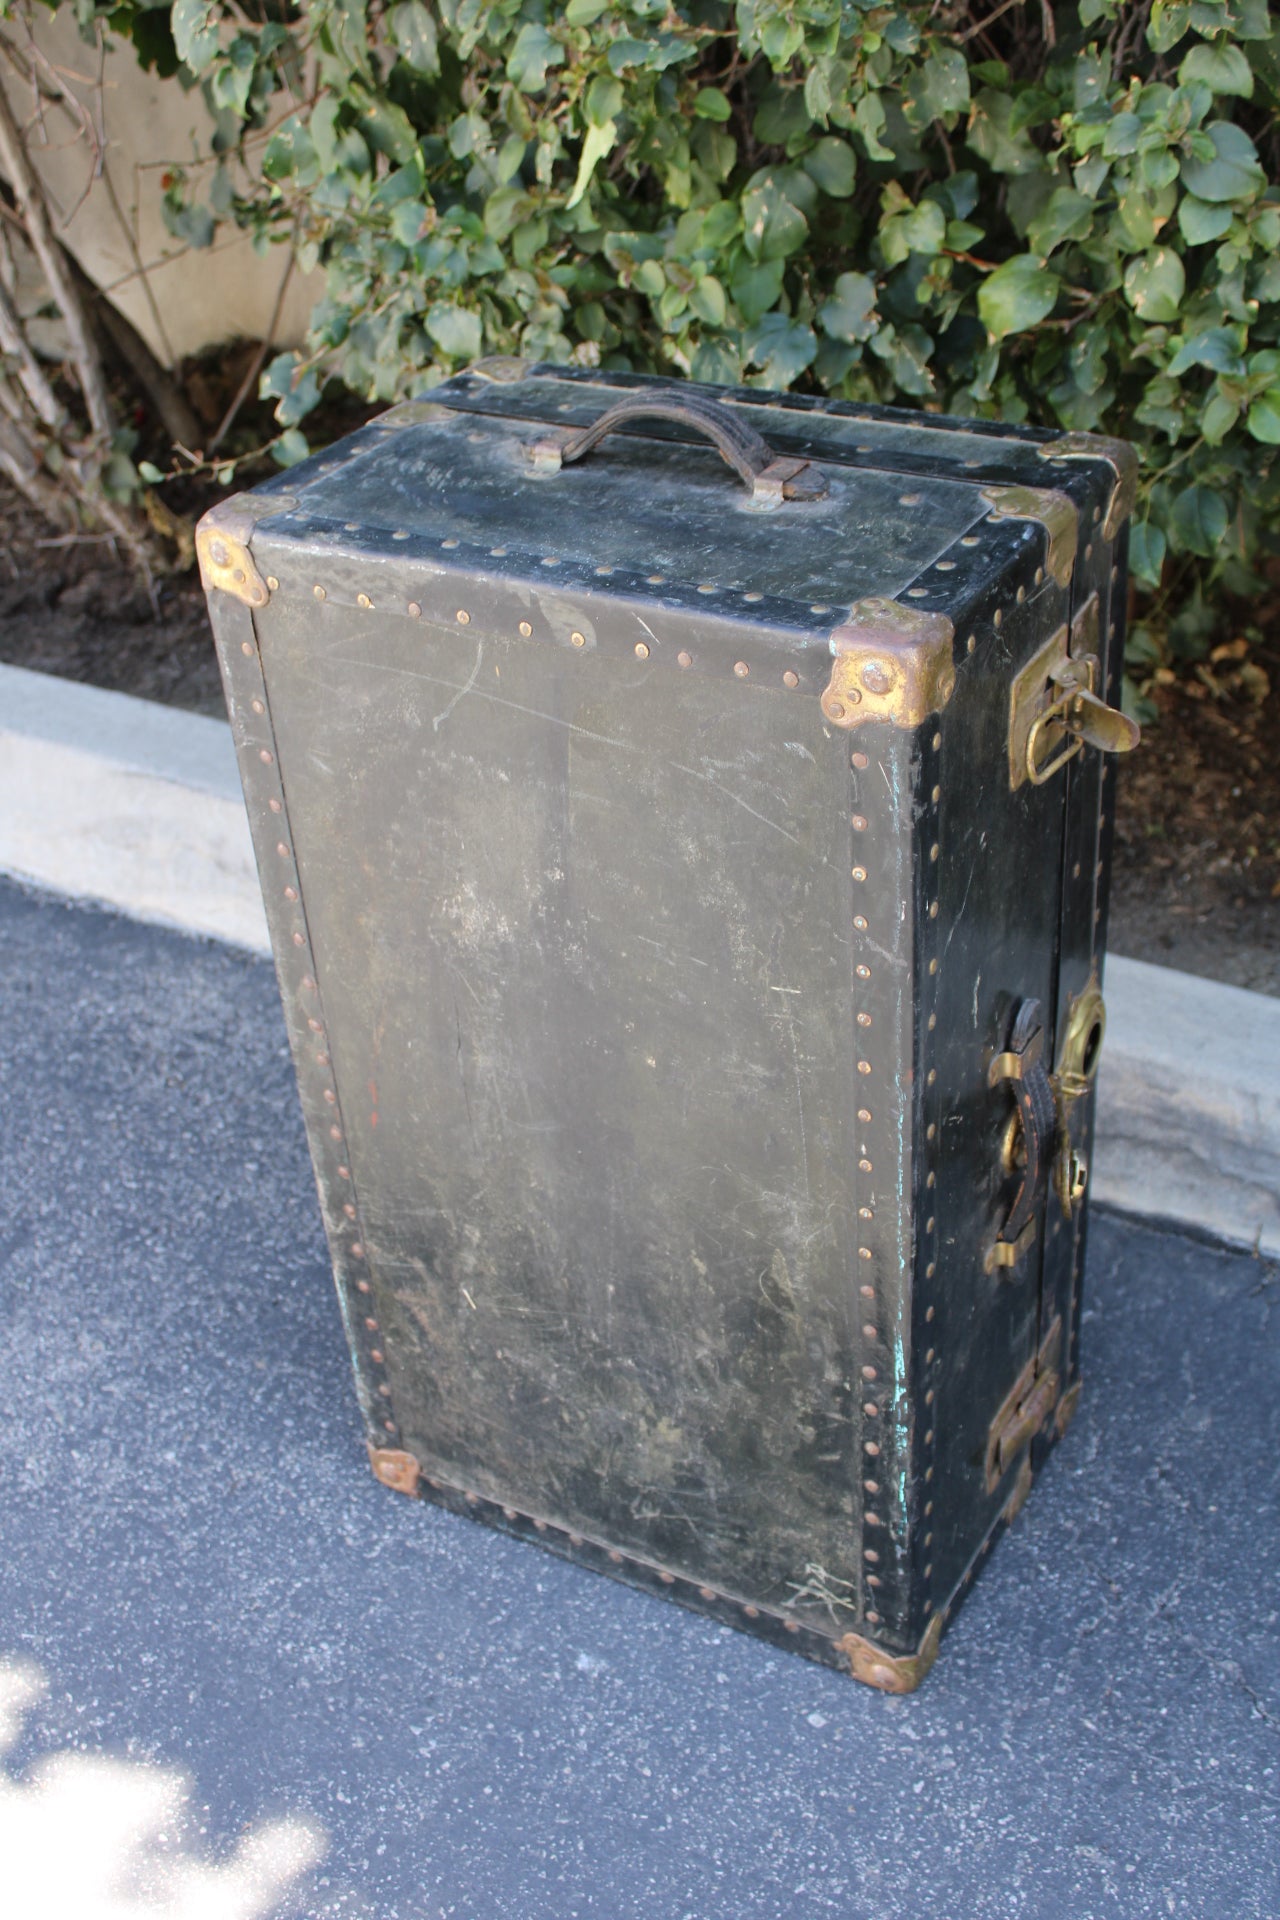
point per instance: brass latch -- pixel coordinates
(1030, 1138)
(1055, 711)
(1078, 1058)
(1026, 1408)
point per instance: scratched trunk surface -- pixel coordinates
(642, 1016)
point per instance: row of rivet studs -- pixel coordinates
(930, 779)
(290, 932)
(877, 1410)
(790, 678)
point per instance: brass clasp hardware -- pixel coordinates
(1078, 1058)
(1029, 1139)
(1054, 708)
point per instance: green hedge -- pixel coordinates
(1063, 214)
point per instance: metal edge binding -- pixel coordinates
(1055, 512)
(892, 1672)
(222, 545)
(892, 663)
(1119, 456)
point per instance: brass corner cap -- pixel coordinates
(1119, 456)
(395, 1468)
(892, 1672)
(1054, 511)
(892, 663)
(222, 545)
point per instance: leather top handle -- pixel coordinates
(771, 477)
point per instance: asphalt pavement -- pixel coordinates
(304, 1694)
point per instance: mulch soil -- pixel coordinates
(1196, 869)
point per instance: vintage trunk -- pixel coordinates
(685, 856)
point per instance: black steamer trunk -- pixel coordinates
(684, 848)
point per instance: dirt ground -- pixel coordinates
(1196, 872)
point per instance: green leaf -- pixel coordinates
(1221, 67)
(1068, 216)
(755, 288)
(413, 33)
(534, 51)
(1154, 285)
(598, 142)
(782, 347)
(1201, 222)
(1016, 296)
(943, 84)
(290, 447)
(850, 313)
(772, 225)
(831, 164)
(1263, 418)
(290, 154)
(1147, 546)
(921, 229)
(1219, 416)
(387, 128)
(991, 136)
(195, 32)
(1232, 174)
(456, 331)
(581, 13)
(710, 104)
(707, 300)
(152, 475)
(604, 101)
(1218, 348)
(1198, 523)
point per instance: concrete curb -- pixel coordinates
(108, 798)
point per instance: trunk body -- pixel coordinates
(656, 903)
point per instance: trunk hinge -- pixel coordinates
(1028, 1406)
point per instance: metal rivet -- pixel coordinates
(371, 1325)
(377, 1356)
(401, 533)
(864, 1019)
(706, 589)
(1039, 575)
(615, 1556)
(869, 1553)
(246, 646)
(930, 1270)
(873, 1617)
(864, 1114)
(330, 1096)
(291, 893)
(792, 1626)
(872, 1520)
(865, 1253)
(1088, 552)
(821, 607)
(858, 822)
(931, 1180)
(525, 629)
(667, 1579)
(933, 966)
(997, 617)
(863, 971)
(357, 1251)
(933, 910)
(276, 806)
(450, 542)
(868, 1293)
(320, 593)
(878, 676)
(837, 711)
(860, 761)
(550, 560)
(497, 553)
(860, 922)
(869, 1332)
(362, 1286)
(864, 1166)
(298, 940)
(463, 617)
(871, 1446)
(929, 1224)
(790, 679)
(389, 1425)
(265, 756)
(335, 1133)
(363, 600)
(864, 1066)
(910, 499)
(604, 570)
(933, 1021)
(642, 651)
(741, 668)
(344, 1173)
(917, 593)
(656, 579)
(945, 566)
(257, 706)
(883, 1673)
(415, 611)
(684, 659)
(971, 643)
(931, 1076)
(753, 596)
(865, 1213)
(937, 741)
(859, 873)
(969, 540)
(349, 1209)
(933, 851)
(1021, 595)
(931, 1131)
(272, 582)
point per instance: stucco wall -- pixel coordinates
(198, 297)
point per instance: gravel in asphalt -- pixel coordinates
(382, 1710)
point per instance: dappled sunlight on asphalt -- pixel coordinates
(90, 1837)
